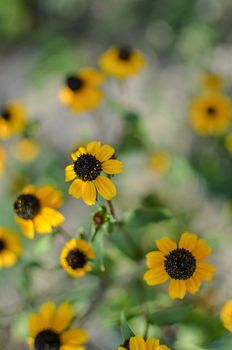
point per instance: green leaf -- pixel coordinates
(144, 216)
(125, 328)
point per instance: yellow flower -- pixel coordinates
(36, 209)
(10, 248)
(75, 256)
(228, 142)
(81, 91)
(26, 150)
(226, 315)
(121, 62)
(50, 329)
(212, 81)
(181, 263)
(139, 343)
(210, 114)
(88, 163)
(2, 159)
(12, 120)
(160, 162)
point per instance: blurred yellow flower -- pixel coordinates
(226, 315)
(75, 256)
(49, 329)
(2, 159)
(139, 343)
(210, 114)
(81, 91)
(10, 248)
(12, 120)
(212, 81)
(228, 142)
(121, 62)
(36, 209)
(88, 163)
(160, 162)
(26, 150)
(181, 263)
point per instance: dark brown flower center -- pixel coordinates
(99, 218)
(180, 264)
(87, 167)
(2, 245)
(211, 112)
(74, 83)
(124, 53)
(27, 206)
(76, 259)
(5, 114)
(126, 344)
(47, 340)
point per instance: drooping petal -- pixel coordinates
(105, 153)
(166, 245)
(155, 259)
(177, 289)
(41, 225)
(204, 271)
(93, 147)
(8, 258)
(74, 337)
(202, 250)
(46, 314)
(105, 187)
(35, 325)
(155, 276)
(89, 193)
(63, 316)
(192, 285)
(70, 173)
(75, 189)
(50, 196)
(112, 166)
(52, 216)
(27, 227)
(137, 343)
(152, 344)
(188, 241)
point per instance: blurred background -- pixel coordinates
(40, 42)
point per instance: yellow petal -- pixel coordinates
(52, 216)
(91, 76)
(63, 316)
(202, 250)
(41, 225)
(93, 147)
(75, 188)
(70, 173)
(152, 344)
(29, 189)
(35, 325)
(137, 343)
(105, 153)
(27, 227)
(166, 245)
(155, 259)
(177, 289)
(155, 276)
(192, 285)
(72, 347)
(188, 241)
(112, 166)
(74, 337)
(49, 196)
(163, 347)
(204, 271)
(46, 314)
(89, 193)
(105, 187)
(8, 258)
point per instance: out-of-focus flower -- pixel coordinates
(210, 114)
(2, 159)
(12, 120)
(181, 263)
(50, 329)
(36, 209)
(139, 343)
(75, 256)
(212, 81)
(228, 142)
(226, 315)
(10, 248)
(26, 150)
(88, 163)
(160, 162)
(81, 91)
(121, 62)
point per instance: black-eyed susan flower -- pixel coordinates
(12, 120)
(49, 329)
(10, 248)
(226, 315)
(121, 62)
(26, 150)
(160, 162)
(36, 209)
(81, 91)
(212, 81)
(88, 164)
(75, 256)
(181, 263)
(2, 159)
(139, 343)
(210, 114)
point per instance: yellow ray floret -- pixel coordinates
(139, 343)
(10, 248)
(180, 263)
(89, 162)
(2, 159)
(12, 120)
(226, 315)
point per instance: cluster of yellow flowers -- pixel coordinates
(93, 165)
